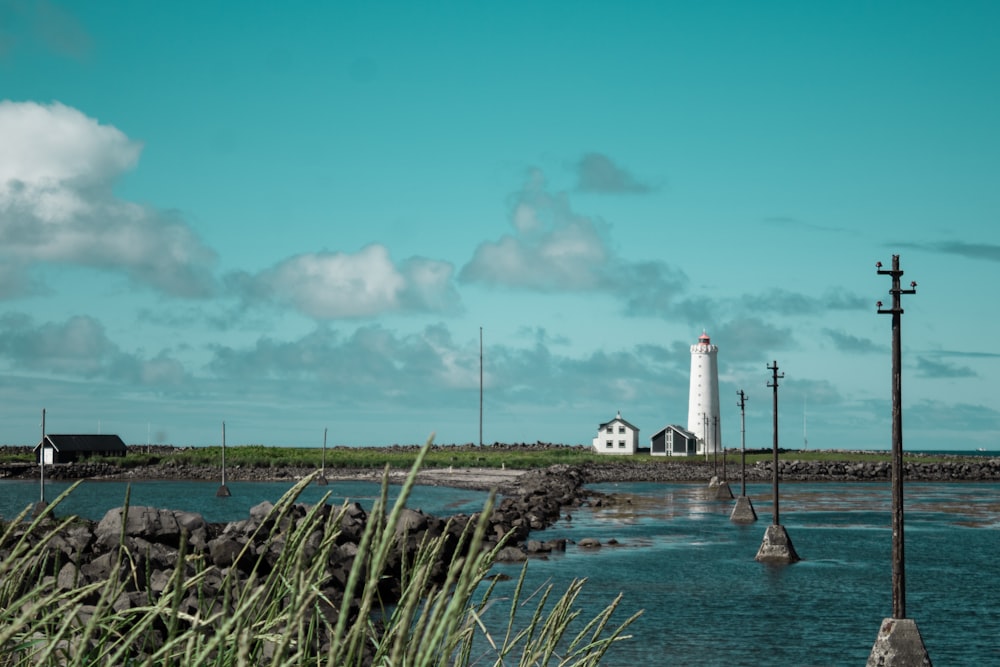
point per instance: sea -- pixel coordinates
(672, 552)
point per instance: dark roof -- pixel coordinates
(620, 421)
(85, 443)
(686, 433)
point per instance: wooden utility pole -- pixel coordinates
(704, 416)
(898, 641)
(223, 491)
(777, 546)
(743, 511)
(774, 462)
(743, 442)
(321, 480)
(898, 556)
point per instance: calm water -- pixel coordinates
(706, 600)
(92, 499)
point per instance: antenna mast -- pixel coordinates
(480, 386)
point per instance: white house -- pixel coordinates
(673, 440)
(616, 437)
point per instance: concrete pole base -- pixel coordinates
(321, 481)
(743, 511)
(899, 644)
(714, 482)
(723, 492)
(777, 546)
(40, 507)
(223, 492)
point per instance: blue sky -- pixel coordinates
(298, 216)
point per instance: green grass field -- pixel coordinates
(441, 456)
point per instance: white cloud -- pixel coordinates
(376, 367)
(57, 171)
(79, 347)
(555, 249)
(333, 285)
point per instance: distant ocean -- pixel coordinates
(680, 558)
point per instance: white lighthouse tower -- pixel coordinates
(703, 401)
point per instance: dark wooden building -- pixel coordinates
(673, 440)
(68, 448)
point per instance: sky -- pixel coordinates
(309, 218)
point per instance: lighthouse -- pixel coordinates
(703, 400)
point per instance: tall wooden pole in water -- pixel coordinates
(321, 480)
(725, 476)
(223, 453)
(223, 491)
(704, 431)
(777, 546)
(743, 511)
(898, 556)
(715, 447)
(898, 641)
(743, 442)
(774, 462)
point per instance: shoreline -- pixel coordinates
(507, 480)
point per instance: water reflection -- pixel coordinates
(971, 504)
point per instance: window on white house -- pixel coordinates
(610, 429)
(609, 444)
(621, 428)
(621, 444)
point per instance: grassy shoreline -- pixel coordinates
(518, 457)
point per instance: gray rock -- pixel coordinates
(511, 555)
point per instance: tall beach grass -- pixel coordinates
(281, 615)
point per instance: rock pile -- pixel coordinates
(959, 469)
(534, 503)
(139, 549)
(967, 470)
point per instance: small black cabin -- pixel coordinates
(69, 448)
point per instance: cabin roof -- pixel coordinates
(84, 442)
(620, 421)
(682, 431)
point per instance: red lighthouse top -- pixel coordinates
(703, 339)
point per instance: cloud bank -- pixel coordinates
(57, 172)
(338, 285)
(554, 249)
(79, 347)
(989, 252)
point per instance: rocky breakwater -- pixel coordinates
(985, 469)
(147, 557)
(938, 469)
(534, 502)
(141, 554)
